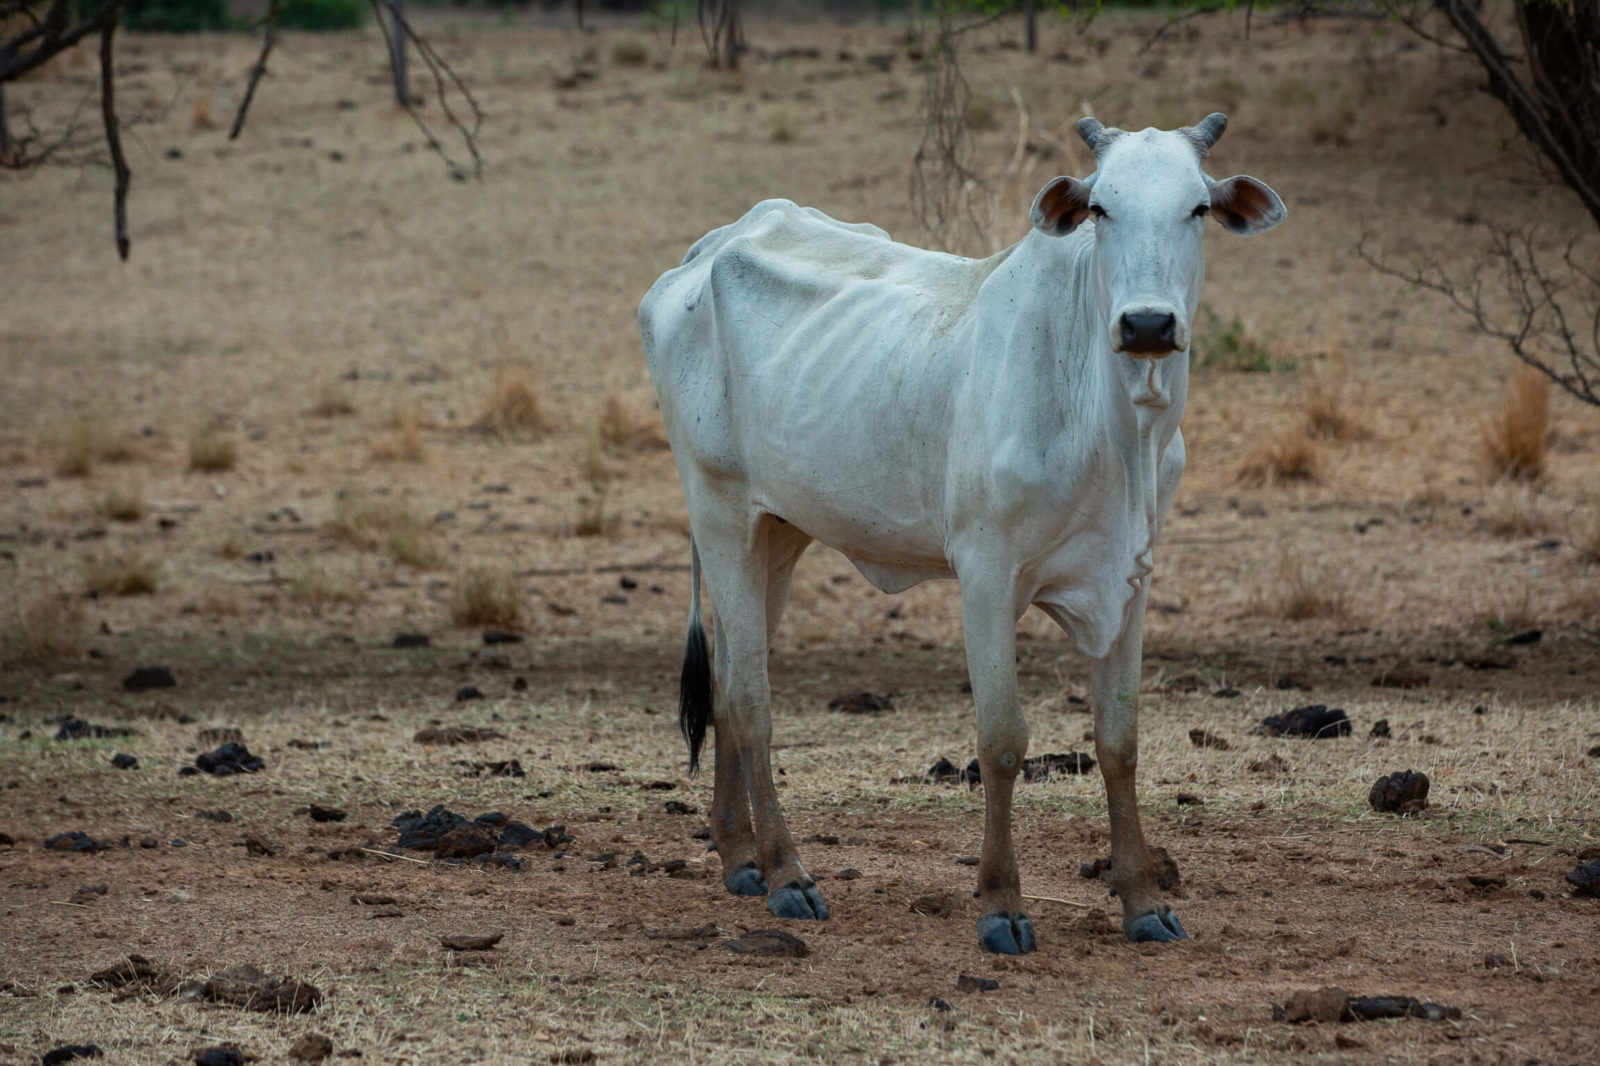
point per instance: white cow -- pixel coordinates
(1011, 422)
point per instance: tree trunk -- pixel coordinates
(1030, 20)
(397, 53)
(5, 130)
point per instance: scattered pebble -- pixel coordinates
(76, 840)
(500, 636)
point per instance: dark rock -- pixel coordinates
(849, 873)
(626, 583)
(411, 640)
(78, 729)
(221, 1055)
(1315, 721)
(1380, 730)
(772, 943)
(1493, 961)
(500, 636)
(468, 692)
(77, 840)
(1400, 793)
(459, 734)
(149, 842)
(1045, 767)
(229, 759)
(472, 943)
(250, 988)
(862, 703)
(67, 1053)
(1371, 1008)
(124, 762)
(1527, 636)
(968, 983)
(149, 677)
(1585, 880)
(326, 814)
(1201, 739)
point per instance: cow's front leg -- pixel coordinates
(1145, 915)
(989, 622)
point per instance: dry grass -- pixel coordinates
(629, 52)
(78, 446)
(513, 408)
(125, 504)
(212, 451)
(315, 586)
(486, 597)
(1300, 591)
(1291, 456)
(623, 429)
(333, 401)
(127, 574)
(1585, 534)
(1327, 416)
(372, 524)
(1515, 441)
(51, 624)
(1515, 510)
(200, 115)
(403, 442)
(594, 519)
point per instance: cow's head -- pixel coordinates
(1148, 198)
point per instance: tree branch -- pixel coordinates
(108, 111)
(269, 38)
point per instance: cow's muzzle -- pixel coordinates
(1147, 333)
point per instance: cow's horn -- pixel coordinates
(1205, 135)
(1096, 136)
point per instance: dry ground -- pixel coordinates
(323, 298)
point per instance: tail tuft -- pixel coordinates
(694, 693)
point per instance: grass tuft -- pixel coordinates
(316, 586)
(333, 401)
(1289, 457)
(623, 429)
(1327, 418)
(120, 575)
(514, 407)
(78, 446)
(124, 504)
(1515, 511)
(629, 52)
(1514, 442)
(370, 525)
(52, 625)
(211, 452)
(486, 597)
(1300, 591)
(403, 444)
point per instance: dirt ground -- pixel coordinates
(324, 298)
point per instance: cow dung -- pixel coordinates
(1585, 880)
(472, 943)
(246, 986)
(1315, 721)
(1405, 792)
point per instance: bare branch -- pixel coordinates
(269, 38)
(446, 83)
(108, 111)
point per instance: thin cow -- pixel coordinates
(1011, 422)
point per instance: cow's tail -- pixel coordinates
(694, 690)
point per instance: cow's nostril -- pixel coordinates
(1149, 332)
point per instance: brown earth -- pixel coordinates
(269, 278)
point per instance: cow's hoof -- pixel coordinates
(795, 900)
(1157, 925)
(1005, 934)
(745, 881)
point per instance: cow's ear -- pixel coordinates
(1246, 206)
(1060, 206)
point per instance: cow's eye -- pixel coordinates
(1202, 211)
(1097, 211)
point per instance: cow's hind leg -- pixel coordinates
(989, 621)
(1145, 916)
(730, 804)
(742, 567)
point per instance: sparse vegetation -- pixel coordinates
(333, 401)
(77, 446)
(1300, 591)
(122, 504)
(594, 520)
(403, 442)
(1290, 456)
(624, 430)
(1586, 534)
(1515, 442)
(783, 130)
(629, 52)
(514, 408)
(1327, 417)
(1515, 510)
(1231, 346)
(316, 586)
(212, 451)
(50, 624)
(485, 597)
(371, 524)
(124, 574)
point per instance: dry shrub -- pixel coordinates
(52, 625)
(1327, 418)
(333, 401)
(130, 574)
(211, 451)
(79, 445)
(628, 52)
(404, 441)
(1300, 591)
(1586, 535)
(369, 525)
(594, 520)
(315, 586)
(200, 117)
(1290, 457)
(122, 504)
(1515, 511)
(1514, 442)
(513, 408)
(623, 429)
(783, 130)
(486, 598)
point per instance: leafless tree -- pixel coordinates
(1545, 304)
(33, 32)
(723, 31)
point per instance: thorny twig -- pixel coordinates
(269, 38)
(445, 80)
